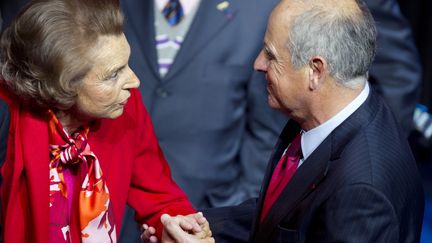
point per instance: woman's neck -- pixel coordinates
(69, 122)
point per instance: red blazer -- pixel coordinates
(132, 162)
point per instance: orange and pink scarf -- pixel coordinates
(79, 194)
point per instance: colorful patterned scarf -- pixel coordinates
(71, 161)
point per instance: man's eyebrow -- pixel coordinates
(267, 51)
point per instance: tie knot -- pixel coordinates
(173, 12)
(294, 149)
(72, 152)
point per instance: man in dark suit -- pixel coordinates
(341, 171)
(209, 109)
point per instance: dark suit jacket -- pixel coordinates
(360, 185)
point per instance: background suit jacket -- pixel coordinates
(396, 71)
(210, 111)
(360, 185)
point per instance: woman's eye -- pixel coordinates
(113, 76)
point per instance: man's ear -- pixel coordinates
(317, 71)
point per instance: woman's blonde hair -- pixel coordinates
(42, 53)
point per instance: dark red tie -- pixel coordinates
(282, 174)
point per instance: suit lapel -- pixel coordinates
(141, 19)
(207, 23)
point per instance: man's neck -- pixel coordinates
(329, 103)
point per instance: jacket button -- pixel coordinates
(162, 93)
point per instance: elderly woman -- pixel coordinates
(80, 143)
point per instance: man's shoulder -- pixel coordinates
(378, 148)
(379, 155)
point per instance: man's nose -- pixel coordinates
(260, 63)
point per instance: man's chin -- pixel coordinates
(272, 103)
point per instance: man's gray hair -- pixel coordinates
(346, 41)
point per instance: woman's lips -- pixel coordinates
(123, 103)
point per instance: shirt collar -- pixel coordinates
(314, 137)
(188, 5)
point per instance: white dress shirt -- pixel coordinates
(187, 5)
(313, 138)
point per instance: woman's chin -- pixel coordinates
(116, 114)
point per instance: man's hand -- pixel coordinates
(181, 229)
(204, 227)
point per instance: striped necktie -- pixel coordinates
(173, 12)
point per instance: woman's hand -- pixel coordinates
(181, 229)
(148, 234)
(195, 225)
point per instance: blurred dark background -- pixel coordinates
(419, 15)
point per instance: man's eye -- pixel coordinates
(269, 55)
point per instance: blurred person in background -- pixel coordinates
(396, 72)
(207, 104)
(202, 94)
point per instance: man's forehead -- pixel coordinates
(283, 13)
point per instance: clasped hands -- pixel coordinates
(192, 228)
